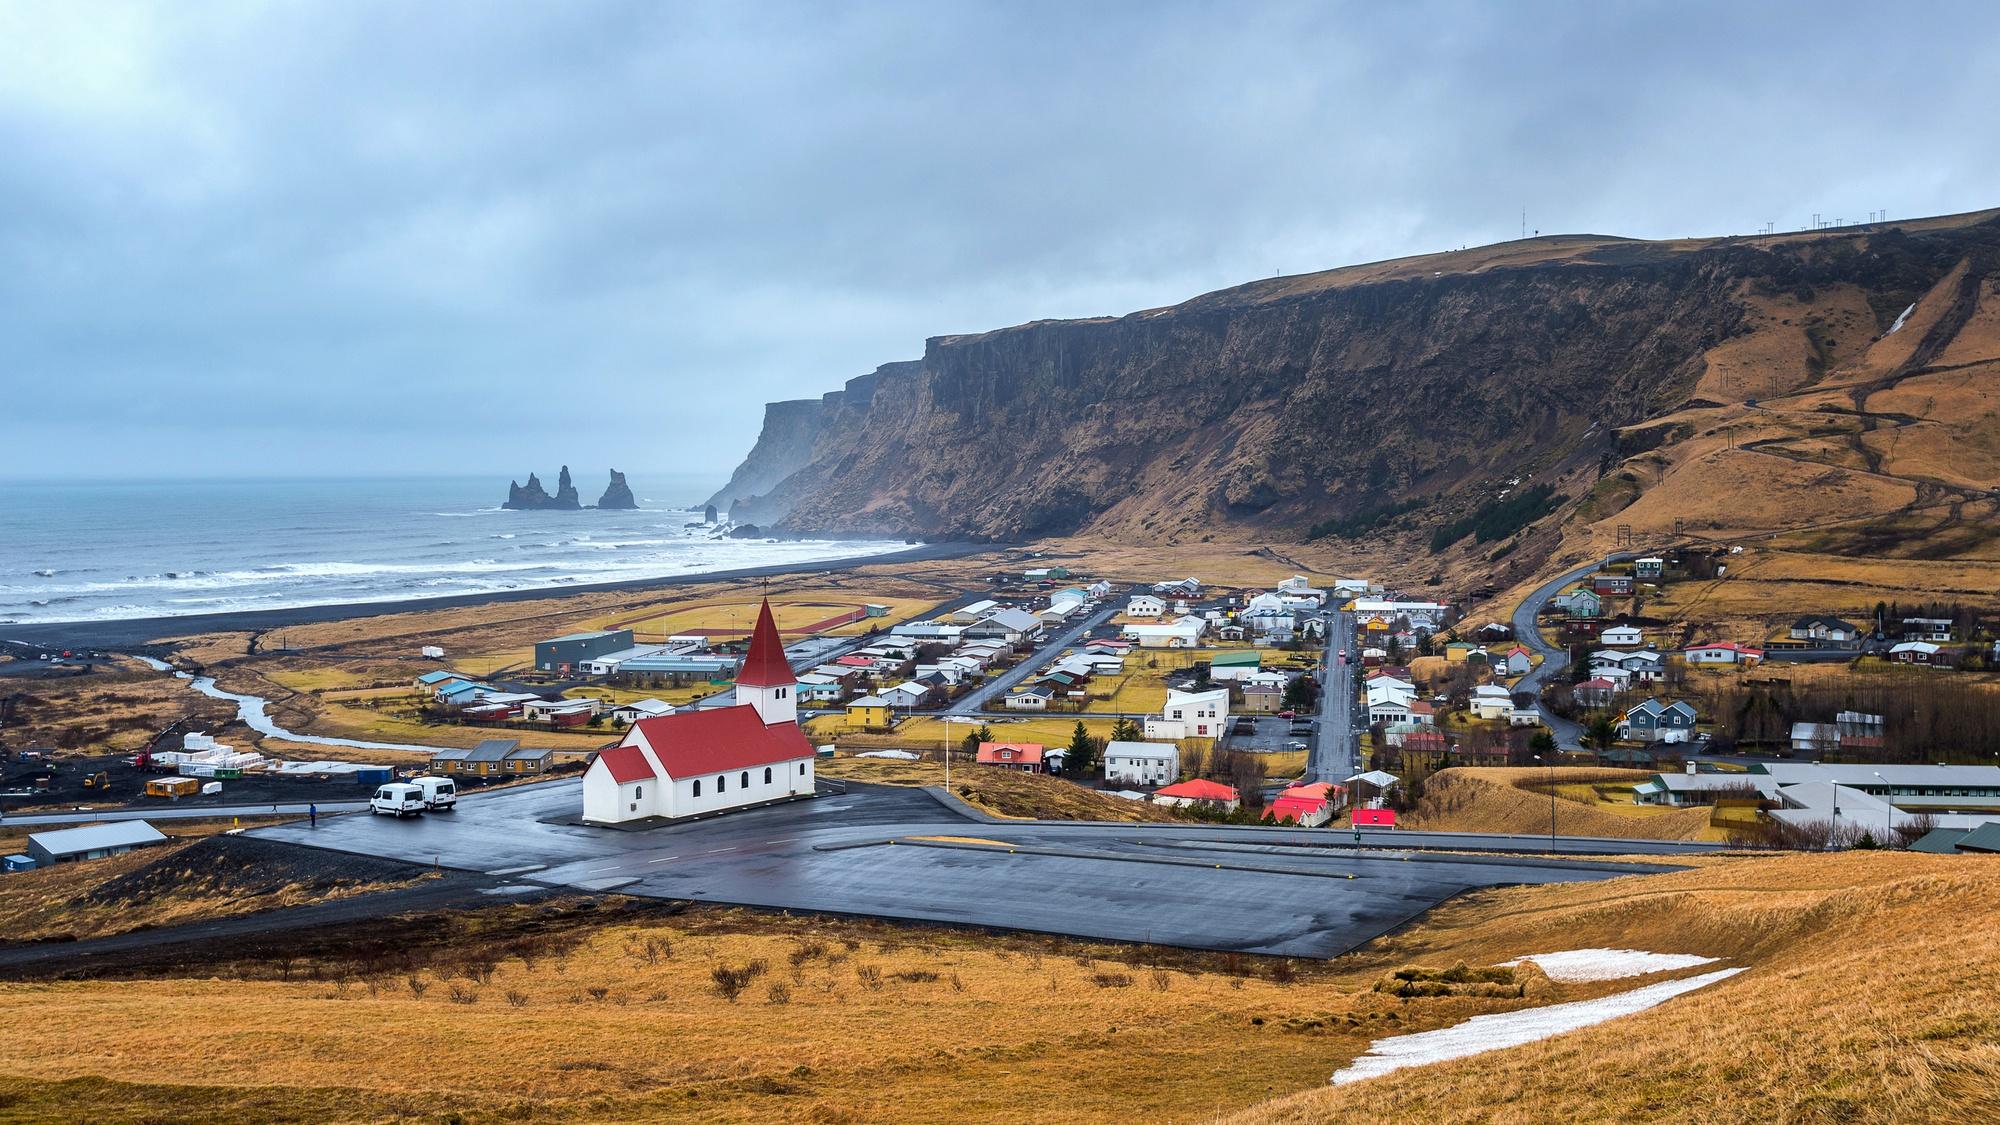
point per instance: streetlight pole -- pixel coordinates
(1888, 814)
(1550, 762)
(947, 753)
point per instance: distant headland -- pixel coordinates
(532, 497)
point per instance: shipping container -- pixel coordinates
(374, 775)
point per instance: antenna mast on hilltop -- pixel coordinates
(1524, 222)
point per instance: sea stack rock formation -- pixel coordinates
(533, 497)
(617, 494)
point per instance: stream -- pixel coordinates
(250, 709)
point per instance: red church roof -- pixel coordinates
(765, 664)
(692, 743)
(626, 763)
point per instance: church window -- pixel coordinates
(721, 784)
(697, 788)
(744, 781)
(767, 775)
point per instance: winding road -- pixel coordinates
(1555, 658)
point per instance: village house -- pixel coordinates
(1937, 630)
(696, 763)
(1227, 667)
(1921, 653)
(1210, 794)
(1023, 756)
(1264, 693)
(1494, 631)
(870, 712)
(1654, 721)
(1007, 625)
(1580, 603)
(1191, 714)
(1621, 636)
(1029, 698)
(628, 713)
(1650, 569)
(1490, 701)
(1184, 632)
(1141, 763)
(1145, 605)
(1723, 652)
(1822, 630)
(1612, 584)
(1643, 665)
(1307, 806)
(1597, 691)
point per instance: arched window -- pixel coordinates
(721, 784)
(745, 782)
(638, 791)
(697, 788)
(802, 769)
(767, 775)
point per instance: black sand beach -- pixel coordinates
(137, 633)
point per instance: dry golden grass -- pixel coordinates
(849, 1021)
(1508, 800)
(924, 732)
(1868, 1000)
(1008, 793)
(112, 711)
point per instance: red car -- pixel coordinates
(1286, 715)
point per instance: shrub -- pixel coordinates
(516, 998)
(463, 995)
(1162, 980)
(917, 976)
(598, 993)
(1111, 980)
(418, 986)
(729, 983)
(870, 976)
(778, 994)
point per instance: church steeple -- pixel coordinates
(765, 681)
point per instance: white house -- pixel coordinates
(1029, 698)
(700, 762)
(1388, 711)
(1722, 652)
(1492, 702)
(1191, 714)
(1142, 763)
(629, 713)
(1622, 636)
(1184, 632)
(974, 612)
(1145, 605)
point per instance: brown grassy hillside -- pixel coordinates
(1869, 999)
(1517, 801)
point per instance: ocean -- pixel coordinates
(104, 551)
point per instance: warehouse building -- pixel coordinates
(568, 654)
(93, 841)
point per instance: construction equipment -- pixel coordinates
(99, 780)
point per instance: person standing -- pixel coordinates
(312, 816)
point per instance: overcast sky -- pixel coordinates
(348, 238)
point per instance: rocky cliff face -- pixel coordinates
(533, 497)
(1286, 403)
(617, 494)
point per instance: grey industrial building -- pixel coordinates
(564, 654)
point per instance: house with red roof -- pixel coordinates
(1024, 756)
(1307, 806)
(1200, 792)
(700, 762)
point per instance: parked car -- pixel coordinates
(440, 793)
(1288, 714)
(398, 799)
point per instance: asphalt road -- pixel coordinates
(864, 852)
(1568, 735)
(982, 698)
(1333, 757)
(190, 812)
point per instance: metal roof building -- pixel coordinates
(93, 841)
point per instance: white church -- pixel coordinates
(699, 762)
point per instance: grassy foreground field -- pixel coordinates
(733, 1016)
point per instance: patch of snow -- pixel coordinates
(1512, 1029)
(1610, 964)
(1901, 319)
(896, 755)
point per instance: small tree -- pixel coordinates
(1082, 750)
(1125, 730)
(970, 744)
(1543, 744)
(1301, 694)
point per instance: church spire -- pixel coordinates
(765, 681)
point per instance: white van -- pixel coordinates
(398, 799)
(439, 792)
